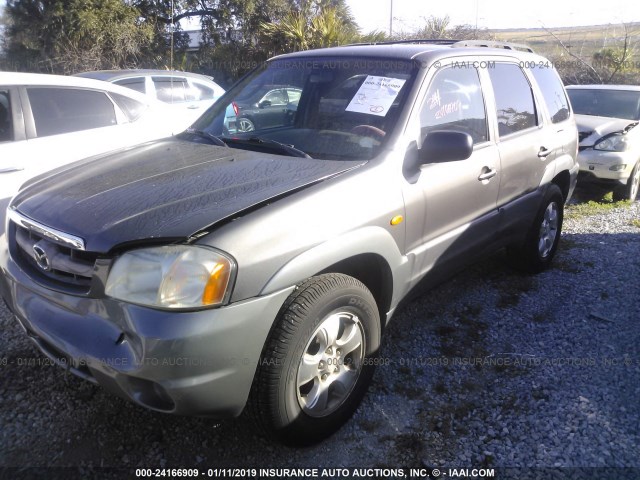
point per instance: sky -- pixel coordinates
(408, 15)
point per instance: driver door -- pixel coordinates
(456, 200)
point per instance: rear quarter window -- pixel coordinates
(202, 92)
(555, 98)
(6, 124)
(131, 108)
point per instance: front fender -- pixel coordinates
(366, 240)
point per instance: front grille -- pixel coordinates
(45, 259)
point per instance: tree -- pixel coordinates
(612, 64)
(69, 36)
(314, 24)
(440, 28)
(615, 60)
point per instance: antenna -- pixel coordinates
(173, 27)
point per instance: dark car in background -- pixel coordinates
(266, 107)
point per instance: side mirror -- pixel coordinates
(264, 103)
(445, 146)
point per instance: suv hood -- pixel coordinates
(169, 189)
(591, 128)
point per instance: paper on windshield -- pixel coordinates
(376, 95)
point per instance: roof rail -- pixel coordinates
(434, 41)
(493, 44)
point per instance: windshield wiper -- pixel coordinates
(208, 136)
(271, 144)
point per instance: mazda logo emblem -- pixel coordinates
(41, 258)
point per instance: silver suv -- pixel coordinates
(607, 117)
(207, 273)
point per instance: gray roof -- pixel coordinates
(421, 50)
(406, 51)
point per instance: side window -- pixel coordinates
(171, 89)
(454, 101)
(6, 124)
(131, 108)
(136, 84)
(63, 110)
(202, 92)
(514, 99)
(276, 97)
(553, 92)
(294, 95)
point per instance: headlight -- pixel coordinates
(616, 142)
(176, 276)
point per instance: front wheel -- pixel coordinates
(630, 190)
(541, 242)
(316, 364)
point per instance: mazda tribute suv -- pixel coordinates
(213, 272)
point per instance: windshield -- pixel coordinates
(606, 103)
(326, 108)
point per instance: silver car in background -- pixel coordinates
(607, 117)
(188, 94)
(47, 121)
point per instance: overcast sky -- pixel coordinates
(409, 14)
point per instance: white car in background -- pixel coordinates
(47, 121)
(607, 117)
(189, 94)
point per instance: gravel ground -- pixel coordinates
(491, 369)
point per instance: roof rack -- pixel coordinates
(433, 41)
(492, 44)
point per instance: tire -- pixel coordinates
(630, 190)
(245, 125)
(541, 242)
(307, 386)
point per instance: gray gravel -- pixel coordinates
(491, 369)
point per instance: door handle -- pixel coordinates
(488, 173)
(543, 152)
(11, 169)
(193, 107)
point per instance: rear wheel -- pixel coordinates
(541, 242)
(245, 125)
(315, 367)
(630, 190)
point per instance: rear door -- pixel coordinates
(272, 109)
(528, 143)
(177, 93)
(522, 140)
